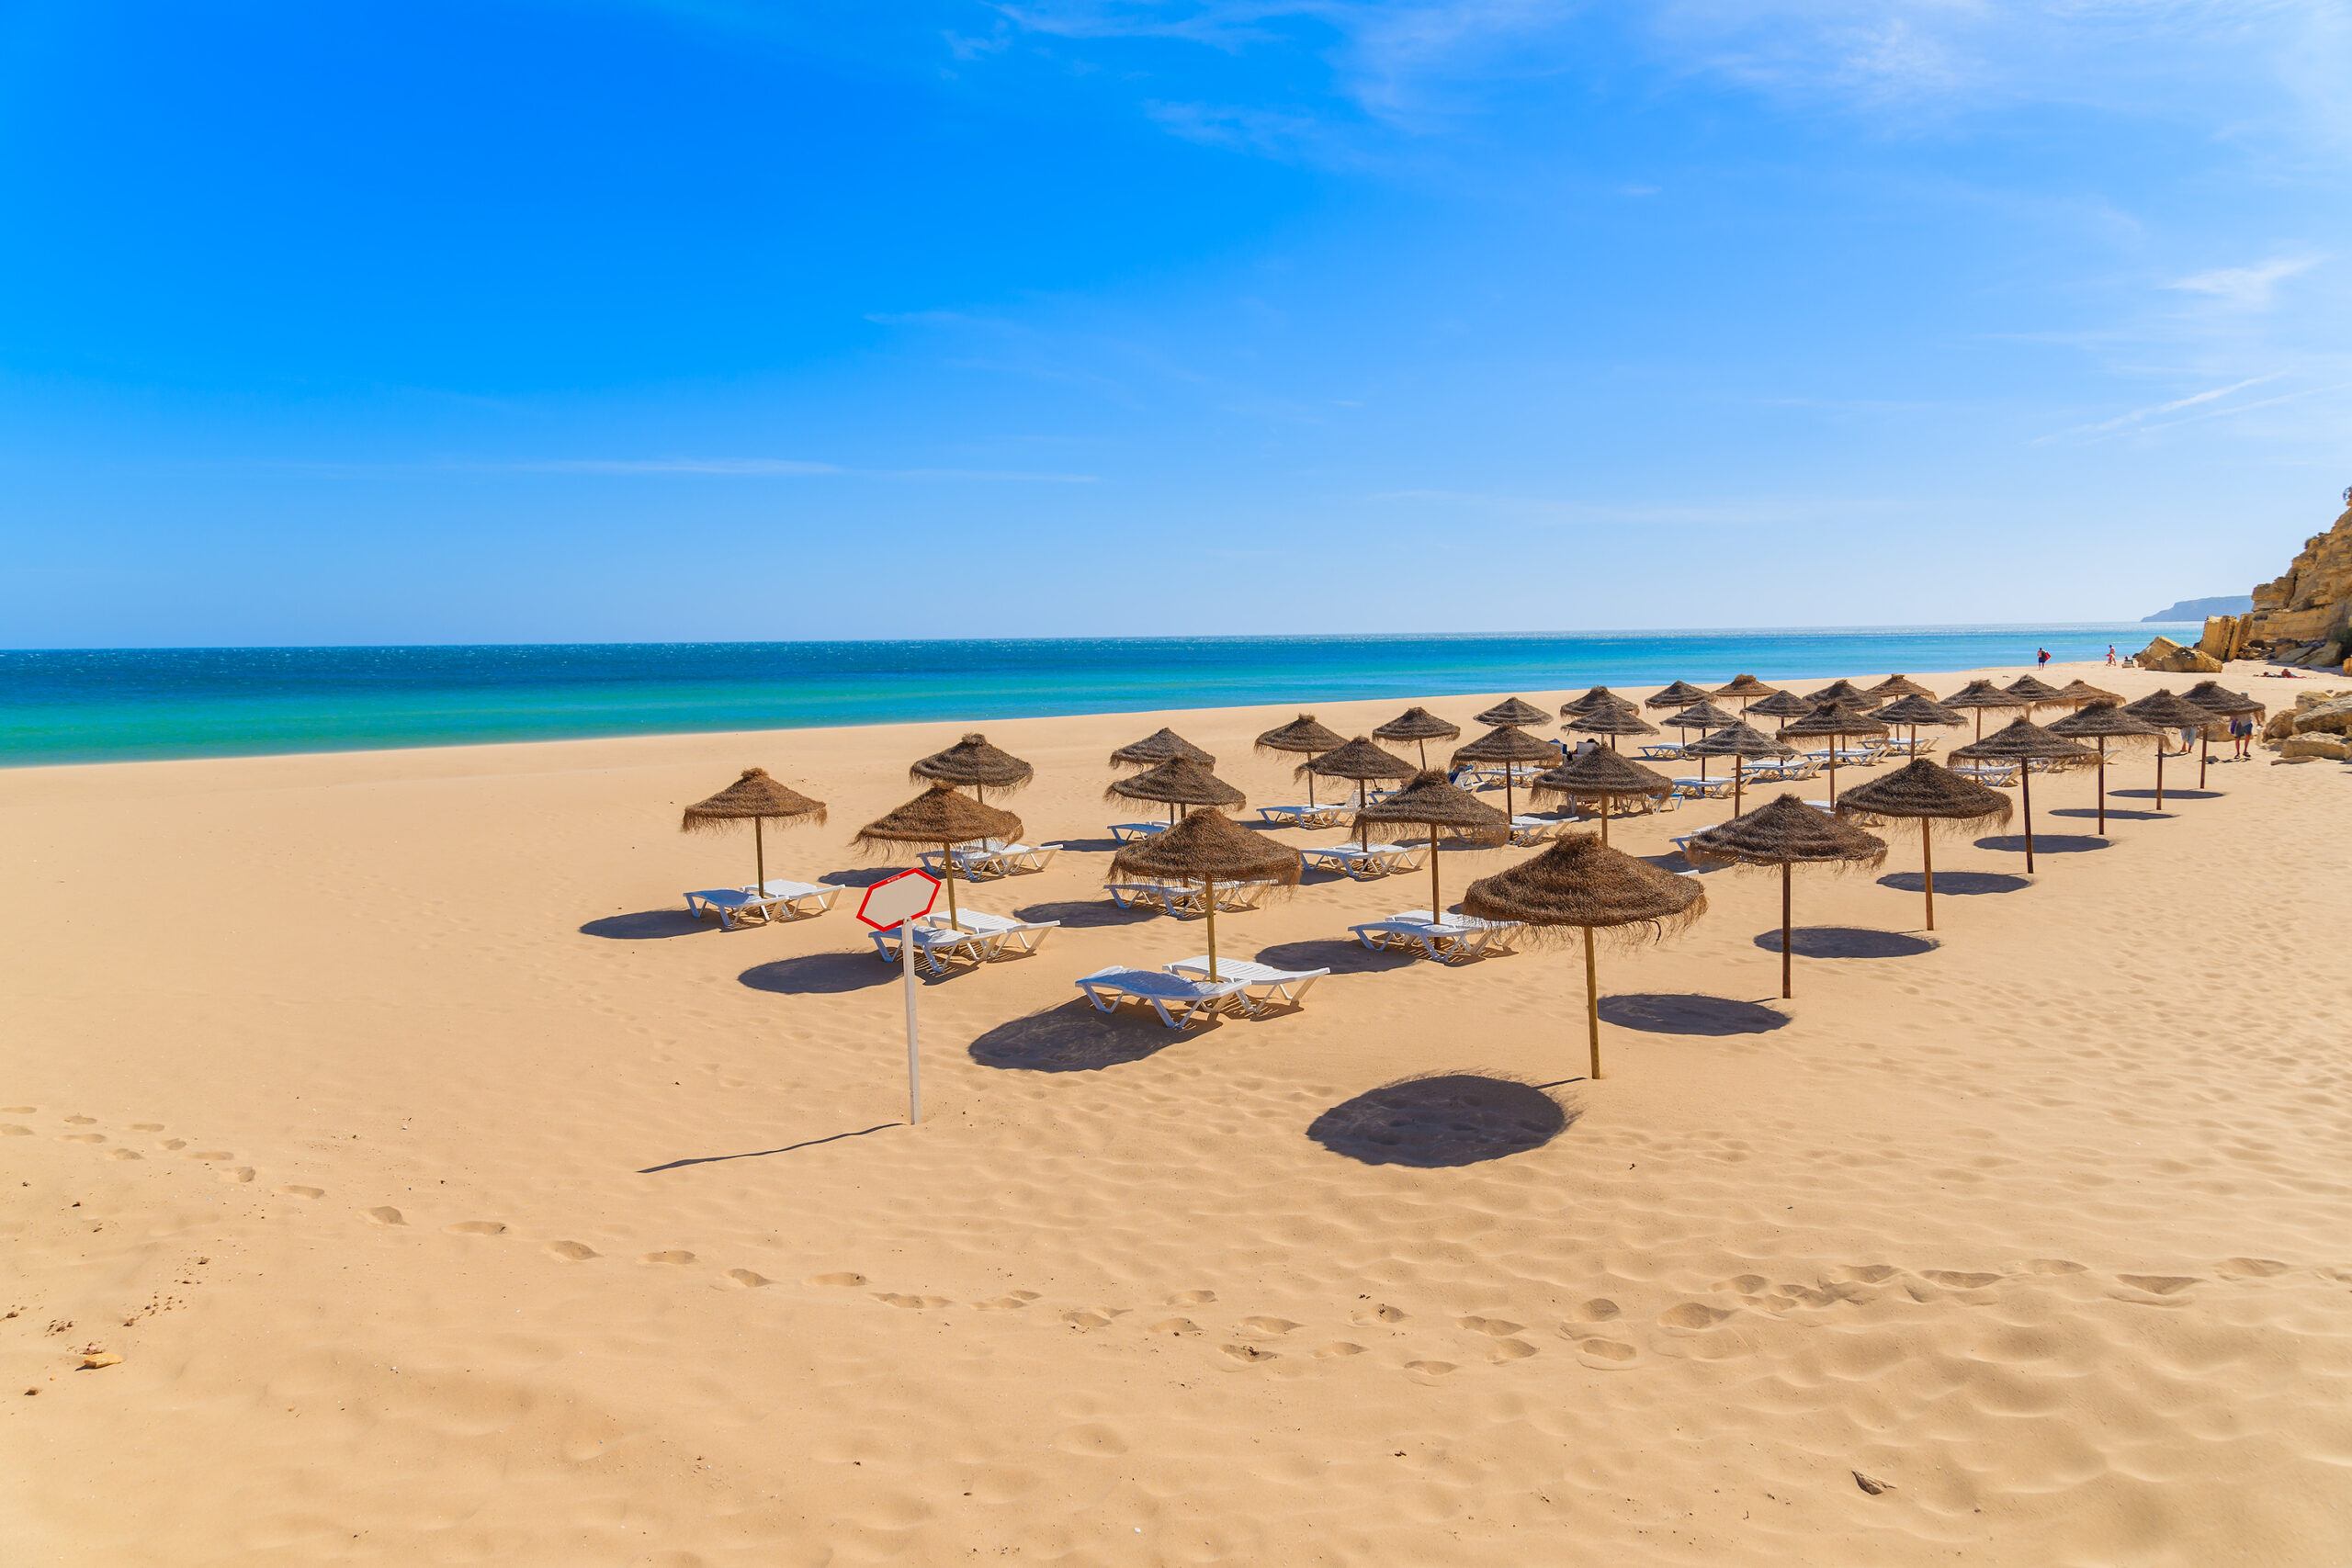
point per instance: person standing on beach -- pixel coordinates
(2111, 656)
(2241, 737)
(2043, 657)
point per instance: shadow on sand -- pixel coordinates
(1958, 883)
(1658, 1012)
(1078, 914)
(650, 925)
(1847, 942)
(1340, 955)
(763, 1154)
(1445, 1119)
(822, 974)
(2171, 793)
(2043, 844)
(1076, 1038)
(2114, 814)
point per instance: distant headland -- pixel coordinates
(2197, 609)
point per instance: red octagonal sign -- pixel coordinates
(895, 901)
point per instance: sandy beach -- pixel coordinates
(448, 1197)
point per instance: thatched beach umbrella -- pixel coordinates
(1421, 727)
(1428, 801)
(1597, 697)
(1845, 692)
(1743, 690)
(1302, 735)
(1786, 832)
(1581, 884)
(1179, 781)
(972, 762)
(1779, 705)
(756, 798)
(1604, 776)
(1363, 763)
(2102, 723)
(1743, 743)
(1837, 720)
(1511, 711)
(2033, 690)
(1940, 800)
(1159, 746)
(1680, 694)
(941, 816)
(1896, 686)
(1605, 720)
(2024, 743)
(2082, 694)
(1979, 697)
(2166, 711)
(1512, 747)
(1913, 711)
(2214, 698)
(1701, 716)
(1206, 847)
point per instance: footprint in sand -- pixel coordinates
(81, 1137)
(1609, 1355)
(1511, 1350)
(476, 1227)
(387, 1216)
(19, 1110)
(239, 1173)
(301, 1191)
(80, 1121)
(208, 1154)
(1494, 1327)
(2249, 1268)
(744, 1278)
(1272, 1328)
(1959, 1281)
(1011, 1301)
(1870, 1273)
(1429, 1369)
(1378, 1313)
(1743, 1284)
(1080, 1319)
(146, 1126)
(1250, 1355)
(1178, 1325)
(572, 1251)
(837, 1279)
(898, 1299)
(1192, 1298)
(667, 1258)
(1340, 1348)
(124, 1154)
(1694, 1315)
(13, 1131)
(2158, 1284)
(169, 1143)
(2057, 1266)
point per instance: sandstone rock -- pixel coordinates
(2334, 747)
(2314, 600)
(93, 1360)
(2281, 726)
(2220, 634)
(2327, 717)
(2165, 654)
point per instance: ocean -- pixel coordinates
(138, 705)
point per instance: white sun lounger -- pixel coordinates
(993, 857)
(935, 945)
(1185, 898)
(1267, 985)
(799, 900)
(1450, 939)
(1712, 787)
(1324, 814)
(1662, 752)
(733, 906)
(1525, 829)
(1364, 860)
(1160, 990)
(1122, 832)
(1025, 936)
(1988, 773)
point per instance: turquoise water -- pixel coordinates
(130, 704)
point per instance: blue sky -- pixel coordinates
(709, 319)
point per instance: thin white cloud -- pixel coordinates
(1744, 513)
(2126, 420)
(2244, 287)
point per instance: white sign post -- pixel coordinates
(900, 901)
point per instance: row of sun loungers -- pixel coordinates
(1443, 938)
(1184, 897)
(1183, 993)
(973, 935)
(991, 857)
(772, 900)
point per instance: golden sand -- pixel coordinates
(449, 1199)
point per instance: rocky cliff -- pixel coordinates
(2303, 617)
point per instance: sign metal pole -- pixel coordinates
(914, 1059)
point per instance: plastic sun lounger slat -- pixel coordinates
(935, 945)
(1122, 832)
(1184, 897)
(1449, 938)
(791, 896)
(1361, 861)
(1160, 990)
(1027, 936)
(733, 906)
(1325, 814)
(1265, 983)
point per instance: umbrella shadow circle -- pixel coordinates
(2043, 843)
(1076, 1037)
(2171, 793)
(1689, 1013)
(647, 925)
(2114, 814)
(1847, 942)
(821, 974)
(1441, 1120)
(1958, 883)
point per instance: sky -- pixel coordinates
(718, 319)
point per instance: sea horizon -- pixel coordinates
(79, 706)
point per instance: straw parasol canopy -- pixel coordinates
(1421, 726)
(2101, 723)
(1605, 719)
(1743, 690)
(1363, 763)
(973, 762)
(1207, 848)
(1743, 743)
(1780, 704)
(1701, 716)
(1302, 734)
(759, 799)
(1604, 776)
(941, 816)
(1842, 692)
(1595, 699)
(1510, 711)
(1937, 798)
(2032, 690)
(2025, 744)
(1837, 720)
(1896, 686)
(1581, 884)
(2078, 693)
(1159, 746)
(1177, 782)
(2211, 697)
(1978, 697)
(2166, 711)
(1680, 694)
(1786, 832)
(1428, 801)
(1913, 711)
(1510, 745)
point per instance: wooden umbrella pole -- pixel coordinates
(2204, 755)
(2102, 786)
(759, 856)
(1210, 901)
(2160, 773)
(1785, 991)
(1738, 767)
(1437, 905)
(1591, 1006)
(1928, 869)
(1604, 818)
(1364, 829)
(2025, 783)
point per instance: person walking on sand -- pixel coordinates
(2043, 657)
(2241, 737)
(2111, 656)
